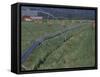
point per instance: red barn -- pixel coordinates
(31, 18)
(26, 18)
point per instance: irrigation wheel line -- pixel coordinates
(40, 40)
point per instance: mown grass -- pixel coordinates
(35, 29)
(78, 51)
(75, 48)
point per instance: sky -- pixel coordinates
(58, 12)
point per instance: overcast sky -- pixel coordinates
(58, 12)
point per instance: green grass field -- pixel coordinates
(34, 30)
(75, 48)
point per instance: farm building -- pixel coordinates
(26, 18)
(36, 17)
(31, 18)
